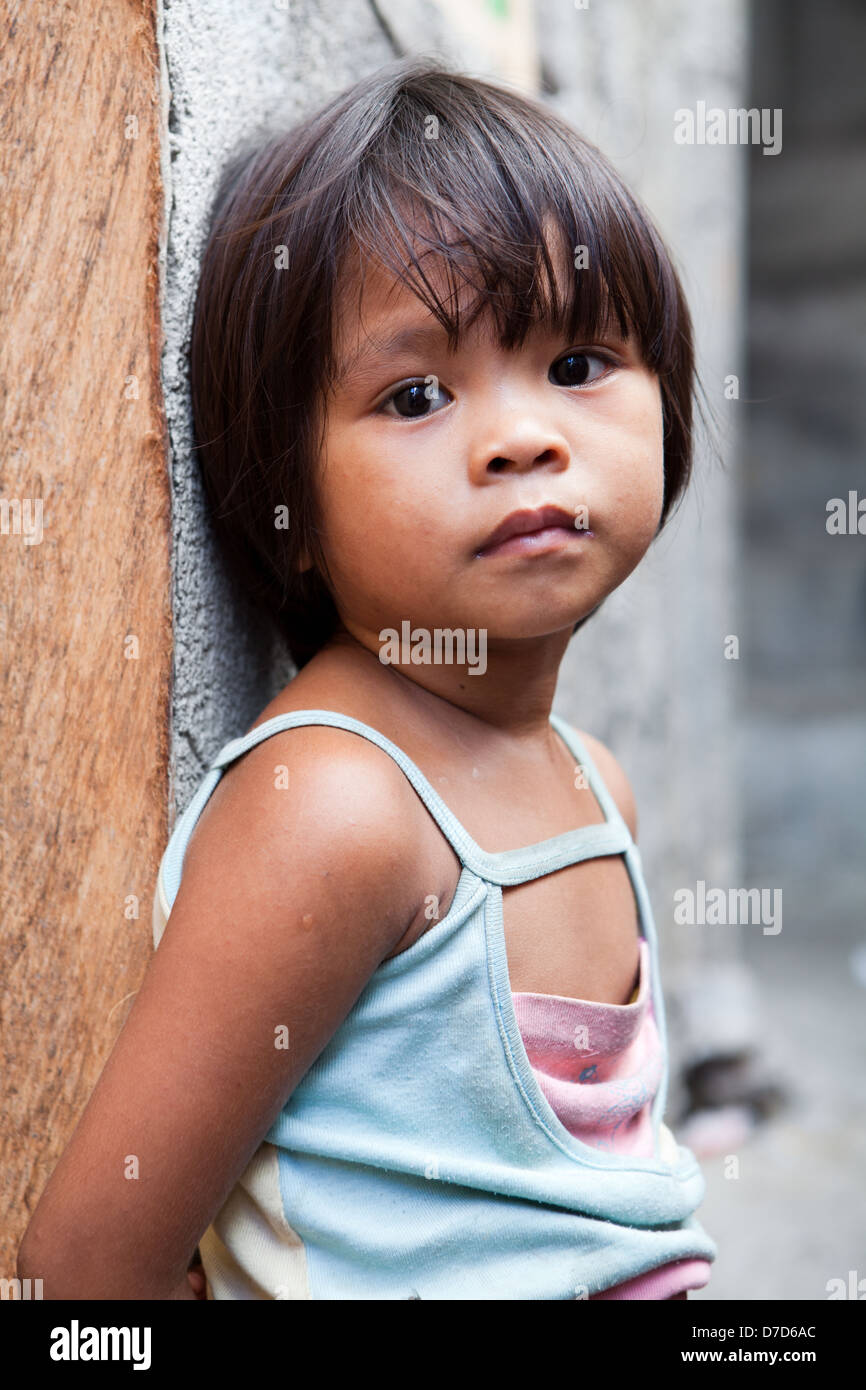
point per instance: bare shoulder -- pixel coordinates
(323, 801)
(614, 779)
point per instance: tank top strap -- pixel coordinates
(447, 822)
(502, 867)
(598, 786)
(171, 866)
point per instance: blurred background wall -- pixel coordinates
(793, 1213)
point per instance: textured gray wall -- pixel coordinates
(229, 69)
(648, 675)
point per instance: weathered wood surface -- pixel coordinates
(85, 616)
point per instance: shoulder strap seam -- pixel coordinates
(445, 819)
(280, 723)
(596, 781)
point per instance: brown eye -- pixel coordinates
(578, 369)
(415, 400)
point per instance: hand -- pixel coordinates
(196, 1275)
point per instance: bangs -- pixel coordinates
(524, 215)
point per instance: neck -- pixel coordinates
(513, 695)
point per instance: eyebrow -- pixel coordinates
(365, 362)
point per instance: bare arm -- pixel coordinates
(290, 899)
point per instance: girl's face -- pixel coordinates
(416, 473)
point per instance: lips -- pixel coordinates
(522, 523)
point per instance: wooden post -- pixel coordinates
(85, 615)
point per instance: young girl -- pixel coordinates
(403, 1035)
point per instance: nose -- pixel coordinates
(518, 446)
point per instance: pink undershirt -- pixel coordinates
(599, 1066)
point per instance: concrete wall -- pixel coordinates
(805, 443)
(796, 1219)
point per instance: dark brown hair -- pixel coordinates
(415, 154)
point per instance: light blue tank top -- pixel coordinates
(418, 1157)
